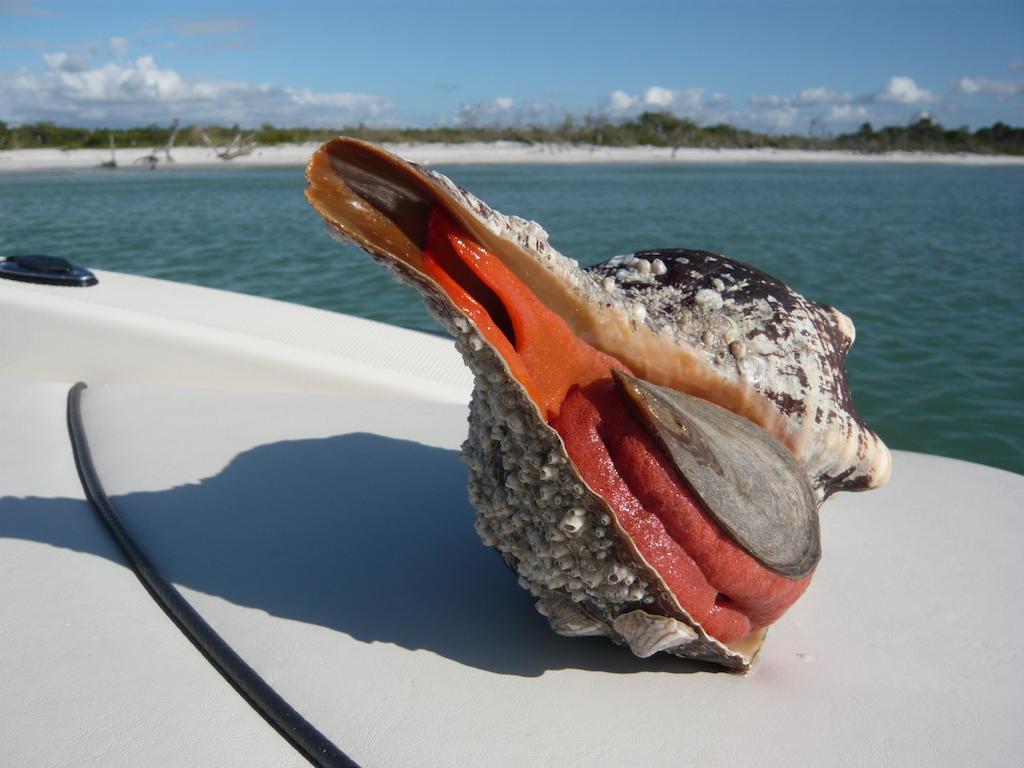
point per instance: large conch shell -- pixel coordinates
(738, 379)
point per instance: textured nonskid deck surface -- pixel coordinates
(329, 539)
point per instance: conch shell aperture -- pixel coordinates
(650, 438)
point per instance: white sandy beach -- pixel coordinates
(482, 153)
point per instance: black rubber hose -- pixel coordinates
(312, 744)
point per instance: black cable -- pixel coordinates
(312, 744)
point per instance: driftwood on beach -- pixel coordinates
(153, 157)
(112, 162)
(237, 147)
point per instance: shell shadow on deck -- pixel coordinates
(366, 535)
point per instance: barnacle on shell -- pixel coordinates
(650, 438)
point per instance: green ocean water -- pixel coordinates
(927, 260)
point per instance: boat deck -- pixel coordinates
(316, 516)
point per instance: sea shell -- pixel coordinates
(683, 321)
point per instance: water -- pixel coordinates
(927, 260)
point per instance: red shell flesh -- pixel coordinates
(716, 582)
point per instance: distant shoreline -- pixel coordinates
(502, 152)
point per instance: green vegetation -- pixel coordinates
(650, 128)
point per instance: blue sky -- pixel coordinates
(779, 66)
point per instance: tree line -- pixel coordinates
(661, 129)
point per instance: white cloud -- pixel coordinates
(813, 108)
(845, 114)
(687, 102)
(815, 96)
(620, 101)
(656, 96)
(764, 112)
(903, 90)
(66, 62)
(822, 105)
(819, 97)
(503, 102)
(969, 85)
(1002, 89)
(140, 91)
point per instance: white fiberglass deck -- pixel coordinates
(327, 536)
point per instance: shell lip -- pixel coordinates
(377, 200)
